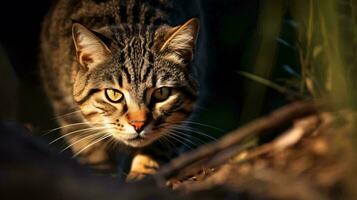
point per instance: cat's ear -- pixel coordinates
(182, 39)
(89, 48)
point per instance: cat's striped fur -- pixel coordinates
(127, 46)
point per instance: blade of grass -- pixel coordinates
(284, 90)
(263, 81)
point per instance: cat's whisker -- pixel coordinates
(183, 143)
(92, 143)
(107, 143)
(189, 136)
(67, 114)
(190, 129)
(191, 122)
(201, 124)
(113, 142)
(168, 141)
(165, 125)
(83, 138)
(182, 127)
(77, 131)
(70, 125)
(202, 134)
(170, 135)
(182, 136)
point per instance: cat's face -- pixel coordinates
(139, 86)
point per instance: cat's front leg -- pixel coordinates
(141, 166)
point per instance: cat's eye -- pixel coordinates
(113, 95)
(161, 94)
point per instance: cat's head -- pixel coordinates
(136, 81)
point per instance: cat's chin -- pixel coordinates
(136, 140)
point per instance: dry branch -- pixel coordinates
(309, 160)
(228, 146)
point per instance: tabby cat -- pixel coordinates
(118, 71)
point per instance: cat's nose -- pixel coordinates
(137, 117)
(138, 125)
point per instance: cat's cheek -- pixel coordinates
(176, 117)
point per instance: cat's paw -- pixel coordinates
(135, 176)
(141, 166)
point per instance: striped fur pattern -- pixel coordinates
(90, 47)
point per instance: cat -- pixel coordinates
(120, 72)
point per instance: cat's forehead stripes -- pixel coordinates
(123, 11)
(136, 56)
(138, 11)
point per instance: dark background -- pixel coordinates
(228, 39)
